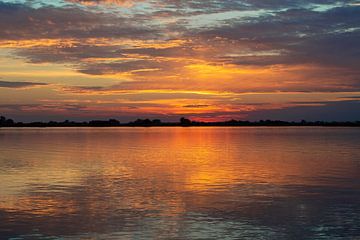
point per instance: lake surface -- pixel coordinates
(180, 183)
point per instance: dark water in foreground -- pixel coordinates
(180, 183)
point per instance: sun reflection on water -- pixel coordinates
(176, 182)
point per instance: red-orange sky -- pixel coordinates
(207, 60)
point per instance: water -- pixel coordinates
(180, 183)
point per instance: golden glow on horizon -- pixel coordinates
(166, 84)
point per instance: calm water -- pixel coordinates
(180, 183)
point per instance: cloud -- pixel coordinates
(196, 106)
(299, 35)
(177, 49)
(19, 21)
(326, 111)
(123, 3)
(6, 84)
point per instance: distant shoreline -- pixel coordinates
(9, 123)
(179, 126)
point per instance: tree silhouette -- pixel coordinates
(185, 122)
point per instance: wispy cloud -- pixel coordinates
(126, 3)
(7, 84)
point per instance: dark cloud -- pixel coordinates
(49, 107)
(19, 21)
(286, 4)
(302, 36)
(352, 97)
(328, 111)
(6, 84)
(78, 53)
(17, 107)
(210, 6)
(97, 2)
(75, 53)
(290, 33)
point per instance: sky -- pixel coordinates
(208, 60)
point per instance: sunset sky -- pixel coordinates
(203, 59)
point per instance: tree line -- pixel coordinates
(184, 122)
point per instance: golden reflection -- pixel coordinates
(140, 169)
